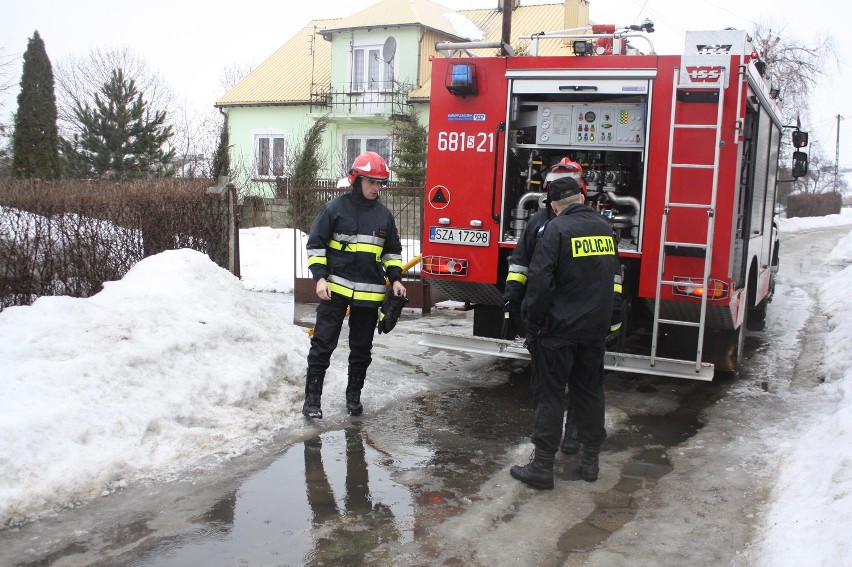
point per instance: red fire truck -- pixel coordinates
(680, 152)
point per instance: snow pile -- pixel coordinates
(174, 361)
(812, 507)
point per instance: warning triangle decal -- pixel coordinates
(439, 197)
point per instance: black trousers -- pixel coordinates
(579, 365)
(330, 316)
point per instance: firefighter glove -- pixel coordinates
(512, 310)
(390, 312)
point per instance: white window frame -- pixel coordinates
(274, 138)
(367, 71)
(365, 137)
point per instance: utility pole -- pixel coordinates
(837, 152)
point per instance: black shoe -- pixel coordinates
(312, 411)
(354, 408)
(353, 391)
(538, 473)
(570, 444)
(589, 468)
(313, 394)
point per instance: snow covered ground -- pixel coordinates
(179, 365)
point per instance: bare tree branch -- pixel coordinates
(79, 78)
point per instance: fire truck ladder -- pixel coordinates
(706, 247)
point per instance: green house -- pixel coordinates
(363, 72)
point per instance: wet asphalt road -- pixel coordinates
(425, 481)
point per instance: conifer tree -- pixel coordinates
(409, 152)
(120, 137)
(35, 143)
(222, 161)
(306, 161)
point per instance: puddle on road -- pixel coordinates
(352, 496)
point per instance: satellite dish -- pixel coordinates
(389, 49)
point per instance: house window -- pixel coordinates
(369, 71)
(356, 145)
(270, 156)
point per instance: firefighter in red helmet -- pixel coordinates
(352, 247)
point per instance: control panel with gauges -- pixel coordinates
(609, 125)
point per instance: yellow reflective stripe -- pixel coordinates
(349, 284)
(615, 327)
(592, 246)
(317, 261)
(340, 290)
(356, 295)
(357, 247)
(393, 263)
(516, 277)
(617, 288)
(369, 296)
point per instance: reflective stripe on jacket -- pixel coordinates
(516, 280)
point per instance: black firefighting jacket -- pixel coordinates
(519, 262)
(570, 287)
(354, 244)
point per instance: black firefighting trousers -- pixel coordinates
(555, 363)
(330, 315)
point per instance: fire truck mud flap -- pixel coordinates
(614, 361)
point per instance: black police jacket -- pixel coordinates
(354, 244)
(570, 287)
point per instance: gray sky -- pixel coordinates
(191, 43)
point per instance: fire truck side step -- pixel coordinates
(614, 361)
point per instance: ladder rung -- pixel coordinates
(674, 322)
(694, 165)
(685, 244)
(695, 87)
(691, 205)
(688, 126)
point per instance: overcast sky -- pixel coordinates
(192, 42)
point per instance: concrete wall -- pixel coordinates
(263, 211)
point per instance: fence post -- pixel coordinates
(221, 209)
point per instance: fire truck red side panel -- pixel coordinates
(464, 179)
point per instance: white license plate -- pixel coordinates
(465, 236)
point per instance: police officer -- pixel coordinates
(516, 280)
(567, 311)
(352, 247)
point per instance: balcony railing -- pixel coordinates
(385, 99)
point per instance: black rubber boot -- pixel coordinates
(538, 473)
(353, 391)
(570, 444)
(589, 467)
(313, 394)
